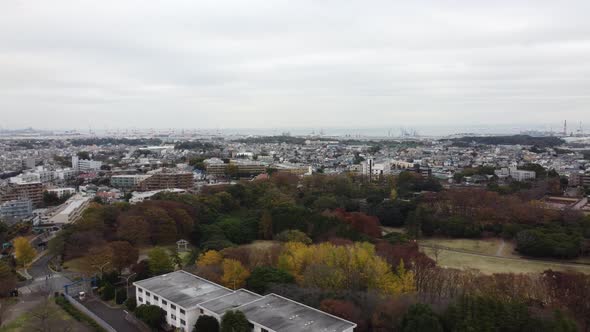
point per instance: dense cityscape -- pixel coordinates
(294, 166)
(234, 216)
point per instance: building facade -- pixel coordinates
(184, 297)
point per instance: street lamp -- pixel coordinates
(127, 282)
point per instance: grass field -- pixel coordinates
(486, 246)
(56, 321)
(472, 255)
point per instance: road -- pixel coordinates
(115, 317)
(44, 280)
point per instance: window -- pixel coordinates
(182, 322)
(140, 299)
(155, 298)
(263, 330)
(201, 311)
(182, 312)
(147, 302)
(164, 302)
(173, 306)
(173, 316)
(140, 290)
(147, 294)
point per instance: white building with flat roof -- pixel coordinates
(184, 297)
(84, 165)
(70, 211)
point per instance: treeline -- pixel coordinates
(195, 145)
(541, 142)
(116, 141)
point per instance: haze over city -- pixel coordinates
(293, 64)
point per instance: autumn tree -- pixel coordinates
(234, 274)
(98, 259)
(355, 266)
(124, 254)
(211, 257)
(345, 309)
(24, 251)
(134, 229)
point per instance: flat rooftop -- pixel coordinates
(230, 301)
(185, 289)
(281, 314)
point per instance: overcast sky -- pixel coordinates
(298, 63)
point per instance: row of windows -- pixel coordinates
(164, 302)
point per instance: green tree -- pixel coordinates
(420, 318)
(235, 321)
(206, 324)
(108, 292)
(159, 261)
(152, 315)
(293, 235)
(263, 276)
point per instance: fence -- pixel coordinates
(90, 314)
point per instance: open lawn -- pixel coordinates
(44, 317)
(490, 265)
(494, 247)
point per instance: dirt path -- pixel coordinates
(500, 252)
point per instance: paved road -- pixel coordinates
(115, 317)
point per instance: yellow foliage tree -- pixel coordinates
(24, 251)
(234, 274)
(356, 266)
(211, 257)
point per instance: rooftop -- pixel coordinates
(281, 314)
(183, 288)
(230, 301)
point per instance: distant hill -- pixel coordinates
(541, 142)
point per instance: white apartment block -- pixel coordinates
(184, 297)
(16, 209)
(61, 192)
(70, 211)
(515, 174)
(84, 165)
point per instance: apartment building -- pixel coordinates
(515, 174)
(128, 181)
(299, 170)
(70, 211)
(579, 180)
(167, 178)
(61, 192)
(16, 210)
(84, 165)
(15, 191)
(184, 297)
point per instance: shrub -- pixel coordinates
(206, 324)
(152, 315)
(131, 303)
(108, 292)
(121, 296)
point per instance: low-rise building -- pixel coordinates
(184, 297)
(62, 192)
(70, 211)
(128, 181)
(16, 210)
